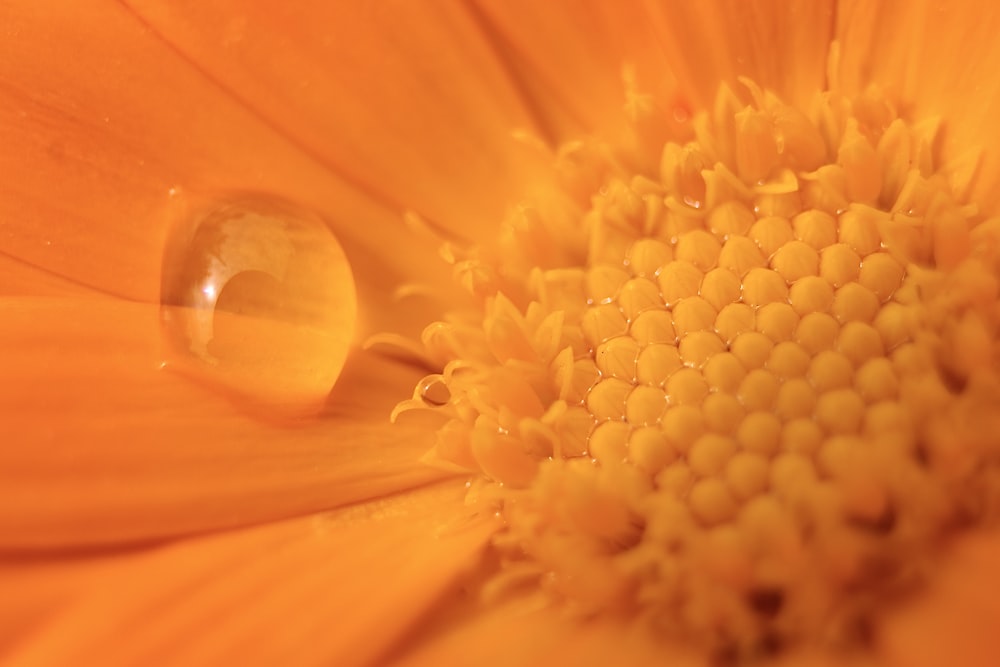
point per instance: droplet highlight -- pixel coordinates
(258, 299)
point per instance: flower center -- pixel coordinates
(741, 397)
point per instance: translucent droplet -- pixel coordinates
(258, 299)
(434, 391)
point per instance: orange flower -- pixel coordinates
(152, 518)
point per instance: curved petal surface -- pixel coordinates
(576, 50)
(334, 589)
(524, 634)
(939, 61)
(102, 446)
(405, 99)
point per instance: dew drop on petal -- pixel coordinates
(258, 300)
(434, 391)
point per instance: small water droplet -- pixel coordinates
(681, 113)
(434, 391)
(258, 299)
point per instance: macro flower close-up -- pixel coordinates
(500, 333)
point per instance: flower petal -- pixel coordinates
(954, 621)
(524, 634)
(568, 55)
(781, 45)
(19, 278)
(939, 60)
(406, 99)
(681, 50)
(100, 121)
(323, 590)
(101, 446)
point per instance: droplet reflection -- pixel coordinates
(258, 299)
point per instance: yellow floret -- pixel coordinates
(740, 397)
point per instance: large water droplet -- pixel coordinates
(258, 299)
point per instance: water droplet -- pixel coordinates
(434, 391)
(258, 299)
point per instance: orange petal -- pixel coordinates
(324, 590)
(102, 446)
(569, 56)
(19, 278)
(573, 52)
(781, 45)
(34, 588)
(939, 61)
(522, 633)
(408, 100)
(954, 621)
(99, 120)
